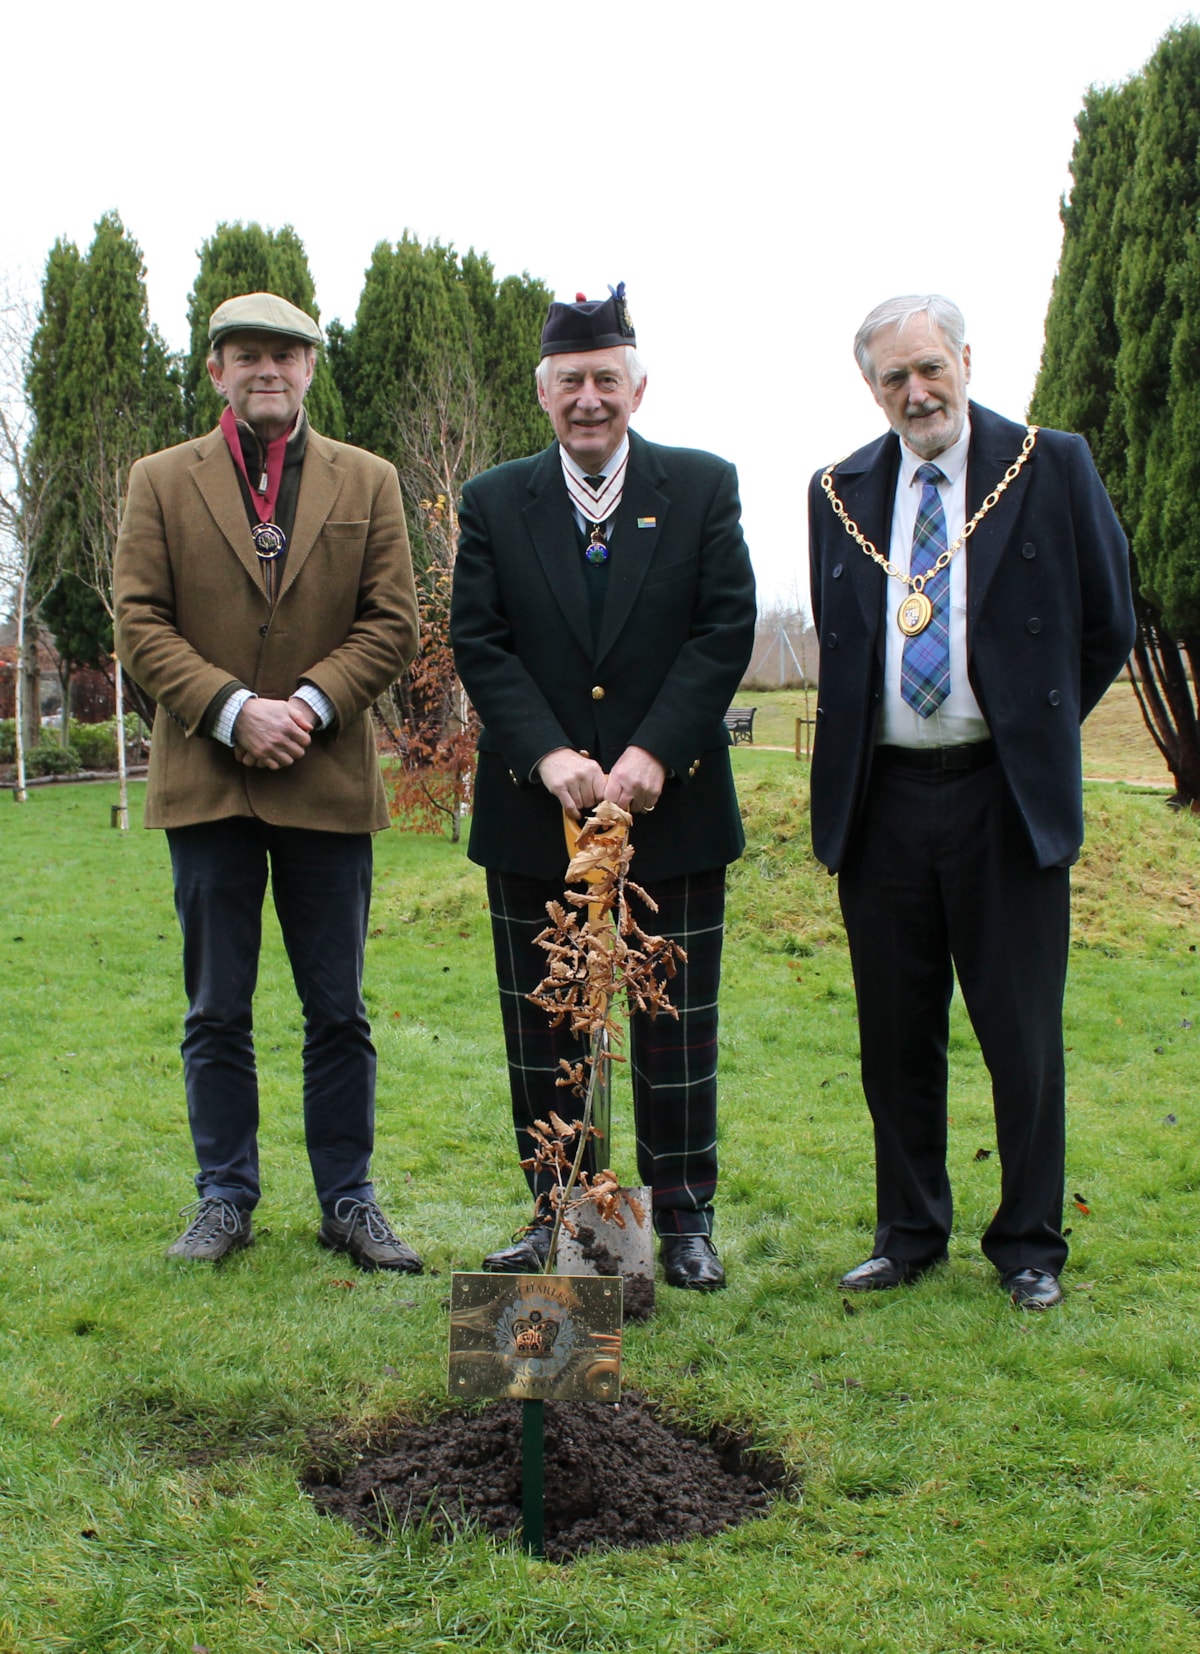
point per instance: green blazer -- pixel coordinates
(674, 639)
(192, 615)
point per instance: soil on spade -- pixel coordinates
(615, 1477)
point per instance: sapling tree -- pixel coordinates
(594, 958)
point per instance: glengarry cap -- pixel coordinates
(588, 324)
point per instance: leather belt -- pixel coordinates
(972, 755)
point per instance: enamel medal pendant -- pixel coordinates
(914, 614)
(269, 540)
(596, 551)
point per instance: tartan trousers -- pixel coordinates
(673, 1063)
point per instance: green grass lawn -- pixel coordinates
(966, 1478)
(1115, 739)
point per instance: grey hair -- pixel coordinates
(634, 367)
(942, 312)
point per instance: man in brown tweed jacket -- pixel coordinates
(264, 598)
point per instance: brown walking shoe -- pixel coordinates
(359, 1228)
(218, 1228)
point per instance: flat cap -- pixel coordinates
(262, 313)
(588, 324)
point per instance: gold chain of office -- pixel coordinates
(916, 611)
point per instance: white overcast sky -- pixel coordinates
(759, 175)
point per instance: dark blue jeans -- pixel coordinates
(321, 887)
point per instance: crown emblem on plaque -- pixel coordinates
(535, 1334)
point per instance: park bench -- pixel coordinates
(739, 721)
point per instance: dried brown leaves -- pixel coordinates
(556, 1149)
(592, 958)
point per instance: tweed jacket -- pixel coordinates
(674, 640)
(192, 616)
(1050, 623)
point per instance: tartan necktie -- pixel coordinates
(925, 665)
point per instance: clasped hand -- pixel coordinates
(634, 783)
(270, 735)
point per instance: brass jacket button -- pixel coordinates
(584, 753)
(598, 692)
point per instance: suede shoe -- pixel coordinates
(1032, 1288)
(359, 1228)
(218, 1228)
(878, 1274)
(526, 1256)
(691, 1261)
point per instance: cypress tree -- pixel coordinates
(1156, 227)
(43, 381)
(427, 318)
(1121, 362)
(1076, 387)
(413, 321)
(521, 305)
(437, 375)
(437, 372)
(245, 258)
(103, 391)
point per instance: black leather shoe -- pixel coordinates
(527, 1256)
(878, 1274)
(1032, 1288)
(692, 1261)
(360, 1228)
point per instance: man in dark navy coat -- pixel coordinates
(602, 618)
(970, 587)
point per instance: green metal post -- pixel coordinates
(533, 1468)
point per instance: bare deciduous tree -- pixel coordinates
(444, 436)
(104, 474)
(24, 496)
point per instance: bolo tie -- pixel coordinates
(269, 540)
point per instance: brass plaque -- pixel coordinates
(535, 1337)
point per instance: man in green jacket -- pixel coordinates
(602, 618)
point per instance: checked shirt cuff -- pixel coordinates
(228, 715)
(319, 701)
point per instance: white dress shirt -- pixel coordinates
(958, 720)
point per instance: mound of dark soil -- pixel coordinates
(615, 1477)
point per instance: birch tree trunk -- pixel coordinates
(20, 795)
(120, 817)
